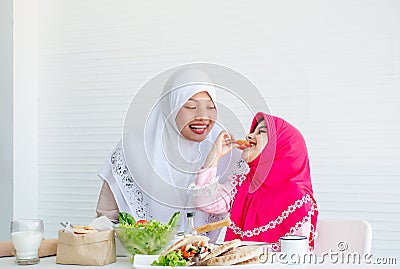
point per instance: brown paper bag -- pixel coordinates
(96, 248)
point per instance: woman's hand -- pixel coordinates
(222, 146)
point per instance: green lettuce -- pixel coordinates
(126, 218)
(173, 259)
(150, 238)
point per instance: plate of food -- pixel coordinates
(196, 251)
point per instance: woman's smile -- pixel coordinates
(199, 128)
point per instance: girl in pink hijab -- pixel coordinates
(275, 198)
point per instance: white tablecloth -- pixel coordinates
(50, 262)
(123, 263)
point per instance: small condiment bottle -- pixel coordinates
(190, 229)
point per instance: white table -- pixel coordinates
(122, 262)
(50, 262)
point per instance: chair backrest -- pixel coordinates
(343, 235)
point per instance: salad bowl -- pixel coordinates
(145, 237)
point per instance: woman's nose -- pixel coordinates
(202, 114)
(201, 118)
(249, 136)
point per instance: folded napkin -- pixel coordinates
(48, 247)
(7, 249)
(102, 223)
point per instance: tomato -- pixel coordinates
(141, 221)
(185, 254)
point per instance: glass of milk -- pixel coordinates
(27, 235)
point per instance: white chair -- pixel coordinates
(343, 235)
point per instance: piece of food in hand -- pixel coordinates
(187, 251)
(243, 144)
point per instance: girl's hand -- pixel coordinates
(222, 146)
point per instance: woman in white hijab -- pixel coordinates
(150, 172)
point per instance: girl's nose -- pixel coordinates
(249, 136)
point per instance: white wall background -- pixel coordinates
(6, 117)
(25, 109)
(331, 68)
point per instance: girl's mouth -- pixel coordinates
(198, 128)
(252, 146)
(244, 144)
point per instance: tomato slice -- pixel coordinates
(141, 221)
(185, 254)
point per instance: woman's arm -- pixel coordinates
(106, 205)
(211, 196)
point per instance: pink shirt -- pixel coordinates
(221, 198)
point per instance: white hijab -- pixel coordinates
(167, 163)
(154, 166)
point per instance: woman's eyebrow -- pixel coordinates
(197, 100)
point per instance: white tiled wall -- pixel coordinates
(6, 114)
(332, 68)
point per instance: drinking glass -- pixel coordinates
(27, 235)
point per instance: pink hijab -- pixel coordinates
(276, 198)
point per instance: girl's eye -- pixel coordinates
(262, 131)
(211, 107)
